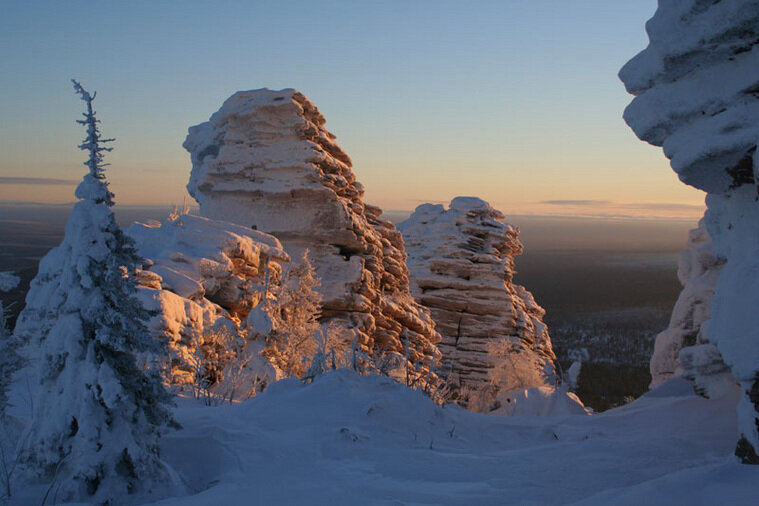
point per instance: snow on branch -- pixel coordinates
(94, 186)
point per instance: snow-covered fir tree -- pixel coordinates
(99, 409)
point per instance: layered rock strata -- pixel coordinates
(265, 161)
(461, 261)
(684, 348)
(697, 96)
(201, 275)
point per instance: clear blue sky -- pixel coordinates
(515, 101)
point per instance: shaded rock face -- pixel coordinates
(201, 275)
(684, 348)
(697, 96)
(265, 160)
(461, 261)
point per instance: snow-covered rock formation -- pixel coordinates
(265, 161)
(202, 275)
(461, 261)
(697, 96)
(684, 348)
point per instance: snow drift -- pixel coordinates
(349, 439)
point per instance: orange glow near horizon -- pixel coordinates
(523, 108)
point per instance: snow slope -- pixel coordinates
(349, 439)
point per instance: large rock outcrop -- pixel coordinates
(461, 261)
(204, 276)
(265, 161)
(684, 348)
(697, 96)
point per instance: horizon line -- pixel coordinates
(575, 216)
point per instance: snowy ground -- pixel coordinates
(349, 439)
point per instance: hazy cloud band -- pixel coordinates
(37, 181)
(670, 206)
(577, 202)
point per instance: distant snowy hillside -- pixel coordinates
(696, 90)
(461, 261)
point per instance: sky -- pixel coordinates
(514, 101)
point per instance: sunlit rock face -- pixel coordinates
(461, 261)
(697, 96)
(684, 348)
(200, 275)
(265, 161)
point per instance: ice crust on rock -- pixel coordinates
(697, 96)
(265, 160)
(684, 348)
(461, 261)
(202, 274)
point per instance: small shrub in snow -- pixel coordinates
(222, 367)
(294, 310)
(241, 379)
(512, 370)
(212, 351)
(335, 349)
